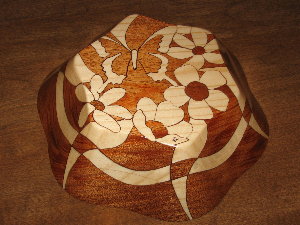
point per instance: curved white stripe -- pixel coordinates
(119, 31)
(124, 174)
(235, 89)
(72, 158)
(212, 161)
(180, 190)
(69, 132)
(253, 123)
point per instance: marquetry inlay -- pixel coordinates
(151, 117)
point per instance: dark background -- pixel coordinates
(37, 36)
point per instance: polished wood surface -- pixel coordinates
(41, 36)
(153, 117)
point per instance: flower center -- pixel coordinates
(198, 50)
(158, 129)
(196, 91)
(98, 105)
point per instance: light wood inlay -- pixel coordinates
(153, 107)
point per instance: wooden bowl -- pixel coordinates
(152, 117)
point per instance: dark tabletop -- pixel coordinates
(38, 36)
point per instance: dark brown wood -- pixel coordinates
(39, 36)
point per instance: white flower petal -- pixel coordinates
(83, 93)
(167, 37)
(168, 114)
(112, 95)
(183, 129)
(183, 41)
(139, 121)
(199, 110)
(199, 36)
(96, 84)
(211, 46)
(119, 111)
(148, 107)
(180, 53)
(77, 72)
(213, 58)
(193, 147)
(104, 138)
(213, 79)
(196, 61)
(186, 74)
(183, 29)
(218, 100)
(85, 111)
(176, 95)
(106, 121)
(172, 140)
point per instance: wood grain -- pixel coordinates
(181, 96)
(39, 36)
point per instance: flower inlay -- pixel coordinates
(158, 129)
(198, 50)
(98, 105)
(145, 114)
(197, 91)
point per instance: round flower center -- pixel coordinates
(158, 129)
(198, 50)
(196, 91)
(98, 105)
